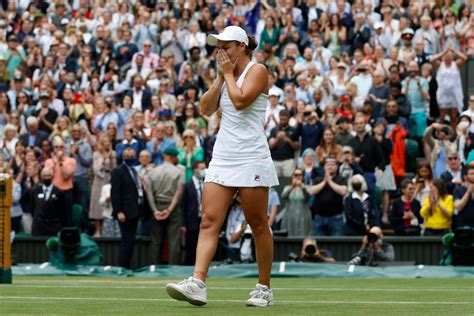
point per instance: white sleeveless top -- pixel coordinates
(241, 135)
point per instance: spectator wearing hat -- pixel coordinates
(406, 48)
(15, 55)
(327, 207)
(345, 108)
(363, 79)
(166, 187)
(428, 35)
(380, 37)
(272, 114)
(283, 143)
(343, 132)
(339, 80)
(46, 115)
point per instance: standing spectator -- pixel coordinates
(439, 143)
(464, 199)
(405, 211)
(379, 94)
(110, 226)
(423, 179)
(192, 210)
(81, 151)
(328, 194)
(159, 143)
(437, 210)
(189, 152)
(368, 153)
(104, 161)
(328, 148)
(46, 115)
(297, 217)
(166, 187)
(310, 130)
(128, 201)
(64, 168)
(416, 89)
(359, 208)
(283, 142)
(428, 36)
(452, 177)
(48, 206)
(272, 114)
(450, 94)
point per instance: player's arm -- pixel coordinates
(209, 102)
(255, 82)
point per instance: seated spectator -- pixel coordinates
(129, 141)
(297, 217)
(343, 133)
(374, 250)
(311, 253)
(464, 199)
(437, 210)
(405, 211)
(359, 208)
(327, 208)
(49, 206)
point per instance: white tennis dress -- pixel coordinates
(241, 157)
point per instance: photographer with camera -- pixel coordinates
(374, 250)
(311, 253)
(238, 233)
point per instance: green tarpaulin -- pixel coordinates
(280, 269)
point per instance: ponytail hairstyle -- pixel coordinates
(251, 46)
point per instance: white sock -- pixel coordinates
(200, 283)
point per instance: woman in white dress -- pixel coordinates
(241, 162)
(450, 95)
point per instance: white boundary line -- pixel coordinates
(57, 298)
(244, 288)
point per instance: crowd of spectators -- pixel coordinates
(367, 120)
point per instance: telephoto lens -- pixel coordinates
(310, 250)
(371, 237)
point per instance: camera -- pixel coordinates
(372, 238)
(247, 232)
(306, 113)
(310, 250)
(355, 261)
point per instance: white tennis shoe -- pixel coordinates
(188, 290)
(262, 296)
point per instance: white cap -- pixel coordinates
(378, 25)
(273, 92)
(230, 33)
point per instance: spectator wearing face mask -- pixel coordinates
(359, 208)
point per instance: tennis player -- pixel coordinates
(240, 162)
